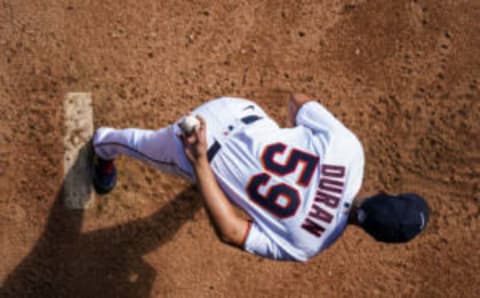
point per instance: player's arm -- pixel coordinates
(297, 100)
(230, 226)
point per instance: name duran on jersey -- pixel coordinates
(326, 201)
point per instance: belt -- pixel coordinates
(215, 147)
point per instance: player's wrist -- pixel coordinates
(201, 162)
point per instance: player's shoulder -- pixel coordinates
(315, 115)
(349, 141)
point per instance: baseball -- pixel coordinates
(189, 124)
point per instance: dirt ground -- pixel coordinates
(403, 75)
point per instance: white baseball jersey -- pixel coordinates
(296, 184)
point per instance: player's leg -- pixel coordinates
(162, 148)
(159, 148)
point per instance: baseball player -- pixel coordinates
(297, 185)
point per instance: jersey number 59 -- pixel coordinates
(281, 199)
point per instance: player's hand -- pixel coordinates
(195, 145)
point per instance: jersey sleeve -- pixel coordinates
(258, 243)
(316, 117)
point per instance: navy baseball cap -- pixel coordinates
(393, 219)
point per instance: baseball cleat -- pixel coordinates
(104, 175)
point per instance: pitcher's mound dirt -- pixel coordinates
(403, 75)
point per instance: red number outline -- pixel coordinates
(304, 178)
(269, 193)
(293, 153)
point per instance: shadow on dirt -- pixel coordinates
(103, 263)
